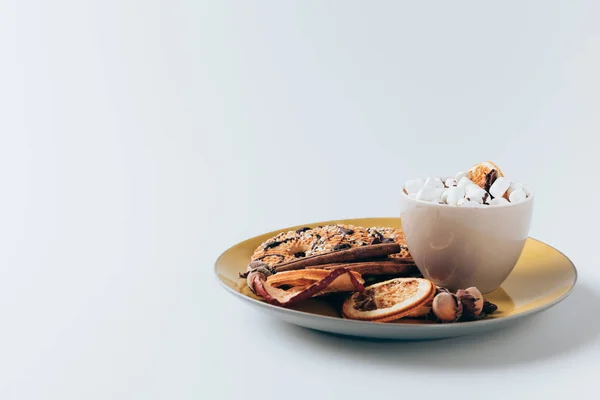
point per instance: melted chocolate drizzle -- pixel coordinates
(281, 256)
(490, 179)
(345, 231)
(276, 243)
(341, 246)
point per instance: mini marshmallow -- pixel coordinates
(414, 185)
(498, 201)
(467, 203)
(450, 182)
(429, 194)
(461, 175)
(517, 196)
(454, 194)
(513, 186)
(516, 186)
(412, 196)
(499, 186)
(444, 197)
(439, 193)
(464, 182)
(476, 194)
(434, 182)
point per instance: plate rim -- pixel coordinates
(358, 323)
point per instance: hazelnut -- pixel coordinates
(446, 307)
(478, 299)
(471, 301)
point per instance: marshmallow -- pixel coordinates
(444, 197)
(513, 186)
(413, 186)
(499, 186)
(464, 182)
(476, 194)
(412, 196)
(434, 182)
(440, 193)
(517, 196)
(430, 194)
(467, 203)
(461, 175)
(516, 186)
(450, 182)
(454, 194)
(498, 201)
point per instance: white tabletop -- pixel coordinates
(141, 139)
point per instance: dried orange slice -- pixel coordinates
(391, 300)
(301, 279)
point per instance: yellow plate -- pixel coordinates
(542, 278)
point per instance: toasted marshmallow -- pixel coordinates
(414, 185)
(450, 182)
(434, 182)
(476, 194)
(496, 201)
(484, 174)
(430, 194)
(499, 187)
(517, 196)
(464, 182)
(467, 203)
(454, 194)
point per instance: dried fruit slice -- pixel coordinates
(257, 282)
(301, 279)
(391, 300)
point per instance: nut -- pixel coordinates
(478, 299)
(446, 307)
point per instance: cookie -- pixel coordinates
(291, 246)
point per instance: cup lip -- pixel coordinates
(529, 199)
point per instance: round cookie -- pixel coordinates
(305, 242)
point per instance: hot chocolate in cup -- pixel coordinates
(460, 247)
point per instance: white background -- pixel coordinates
(140, 139)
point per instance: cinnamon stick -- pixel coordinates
(334, 257)
(373, 267)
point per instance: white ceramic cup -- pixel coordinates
(459, 247)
